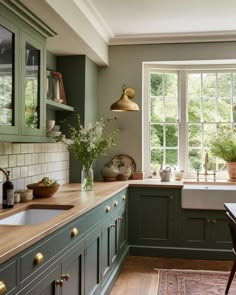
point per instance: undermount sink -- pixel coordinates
(34, 214)
(207, 197)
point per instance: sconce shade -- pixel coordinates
(125, 104)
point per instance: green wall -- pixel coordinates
(125, 66)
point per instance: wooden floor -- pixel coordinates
(139, 275)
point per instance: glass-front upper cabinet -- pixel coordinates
(8, 85)
(32, 71)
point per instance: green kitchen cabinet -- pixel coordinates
(152, 216)
(92, 262)
(204, 229)
(22, 74)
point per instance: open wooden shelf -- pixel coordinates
(52, 105)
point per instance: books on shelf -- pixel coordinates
(55, 87)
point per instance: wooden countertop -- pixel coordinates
(15, 239)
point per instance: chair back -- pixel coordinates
(232, 228)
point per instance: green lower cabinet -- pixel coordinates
(66, 277)
(45, 285)
(122, 229)
(205, 228)
(152, 215)
(92, 262)
(105, 247)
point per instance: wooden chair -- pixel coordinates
(232, 228)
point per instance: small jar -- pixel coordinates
(16, 198)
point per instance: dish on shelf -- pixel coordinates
(124, 161)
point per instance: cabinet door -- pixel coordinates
(205, 228)
(122, 229)
(220, 234)
(151, 216)
(194, 228)
(92, 262)
(105, 247)
(47, 285)
(33, 81)
(72, 271)
(9, 77)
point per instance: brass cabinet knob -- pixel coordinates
(116, 203)
(38, 258)
(59, 283)
(74, 232)
(3, 287)
(108, 208)
(123, 197)
(208, 220)
(65, 277)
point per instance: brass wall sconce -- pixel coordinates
(125, 104)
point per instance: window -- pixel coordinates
(184, 108)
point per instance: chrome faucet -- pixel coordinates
(206, 173)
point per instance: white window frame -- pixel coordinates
(182, 67)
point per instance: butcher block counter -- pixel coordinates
(15, 239)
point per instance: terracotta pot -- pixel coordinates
(231, 166)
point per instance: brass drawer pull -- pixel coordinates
(65, 277)
(74, 232)
(123, 197)
(39, 258)
(108, 208)
(3, 287)
(59, 283)
(116, 203)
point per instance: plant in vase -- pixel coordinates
(224, 147)
(87, 144)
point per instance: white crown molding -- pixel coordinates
(95, 18)
(174, 38)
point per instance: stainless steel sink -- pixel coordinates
(34, 214)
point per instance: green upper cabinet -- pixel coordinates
(22, 74)
(33, 70)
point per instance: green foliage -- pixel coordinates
(89, 143)
(224, 145)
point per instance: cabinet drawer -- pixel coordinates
(100, 212)
(42, 253)
(8, 277)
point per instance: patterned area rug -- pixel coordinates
(192, 282)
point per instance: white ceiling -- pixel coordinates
(136, 21)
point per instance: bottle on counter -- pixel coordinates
(7, 192)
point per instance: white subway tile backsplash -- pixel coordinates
(20, 160)
(29, 163)
(7, 148)
(4, 162)
(16, 148)
(12, 161)
(28, 159)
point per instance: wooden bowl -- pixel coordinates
(40, 191)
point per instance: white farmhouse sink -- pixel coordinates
(33, 215)
(208, 197)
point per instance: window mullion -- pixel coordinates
(183, 134)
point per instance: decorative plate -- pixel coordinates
(125, 161)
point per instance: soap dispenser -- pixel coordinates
(7, 192)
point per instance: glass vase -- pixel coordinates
(87, 178)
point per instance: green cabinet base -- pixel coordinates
(183, 253)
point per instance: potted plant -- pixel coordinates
(224, 147)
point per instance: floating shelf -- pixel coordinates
(59, 107)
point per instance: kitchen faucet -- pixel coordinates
(206, 173)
